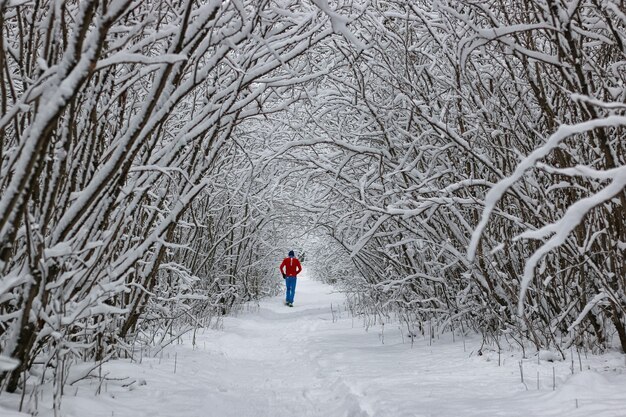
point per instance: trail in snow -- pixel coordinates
(278, 361)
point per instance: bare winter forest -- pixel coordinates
(454, 164)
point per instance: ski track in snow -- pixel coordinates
(278, 361)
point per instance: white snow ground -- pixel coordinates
(277, 361)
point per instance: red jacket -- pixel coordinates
(292, 267)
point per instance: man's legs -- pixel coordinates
(291, 288)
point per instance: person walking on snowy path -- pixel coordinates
(290, 268)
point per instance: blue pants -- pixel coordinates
(291, 288)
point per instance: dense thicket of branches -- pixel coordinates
(460, 164)
(449, 99)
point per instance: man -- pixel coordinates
(290, 268)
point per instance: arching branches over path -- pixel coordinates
(154, 153)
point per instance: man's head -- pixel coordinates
(291, 254)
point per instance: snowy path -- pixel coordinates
(278, 361)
